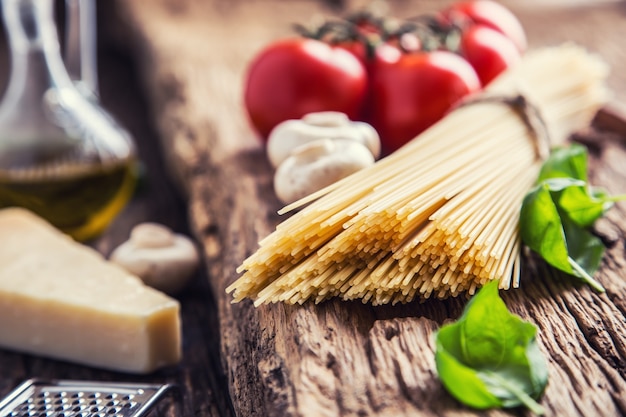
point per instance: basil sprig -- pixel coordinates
(489, 357)
(557, 213)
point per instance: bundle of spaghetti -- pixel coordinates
(439, 217)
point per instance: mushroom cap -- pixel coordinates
(317, 164)
(162, 259)
(291, 134)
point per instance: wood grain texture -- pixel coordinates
(340, 358)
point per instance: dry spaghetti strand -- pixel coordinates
(439, 217)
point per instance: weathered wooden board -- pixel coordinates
(342, 358)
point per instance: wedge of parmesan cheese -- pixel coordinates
(63, 300)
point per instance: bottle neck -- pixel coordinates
(36, 62)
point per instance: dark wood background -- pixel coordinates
(171, 71)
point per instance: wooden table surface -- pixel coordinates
(171, 71)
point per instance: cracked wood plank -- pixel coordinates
(341, 358)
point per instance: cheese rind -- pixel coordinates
(63, 300)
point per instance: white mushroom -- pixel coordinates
(162, 259)
(291, 134)
(314, 165)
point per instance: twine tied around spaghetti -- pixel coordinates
(528, 113)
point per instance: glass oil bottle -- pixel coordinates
(61, 155)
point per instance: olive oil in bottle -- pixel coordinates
(79, 200)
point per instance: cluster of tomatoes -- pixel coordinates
(401, 80)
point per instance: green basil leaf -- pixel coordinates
(541, 228)
(601, 194)
(462, 382)
(489, 357)
(556, 214)
(570, 162)
(585, 251)
(555, 185)
(582, 206)
(559, 241)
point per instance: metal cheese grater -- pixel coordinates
(64, 398)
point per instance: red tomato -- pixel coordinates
(491, 14)
(293, 77)
(357, 48)
(488, 51)
(409, 92)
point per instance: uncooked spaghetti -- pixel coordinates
(440, 216)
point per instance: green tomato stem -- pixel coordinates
(585, 276)
(524, 398)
